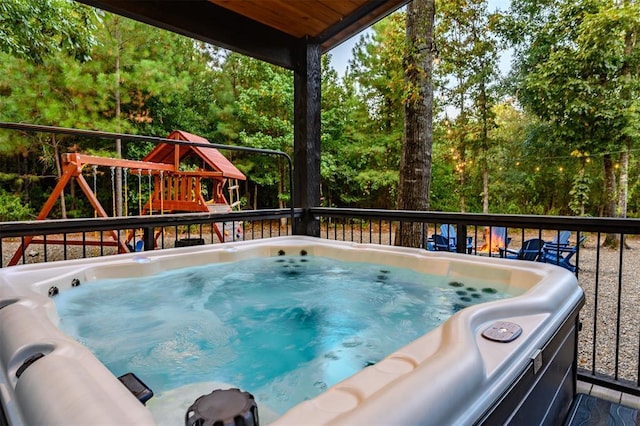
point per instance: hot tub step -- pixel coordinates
(588, 410)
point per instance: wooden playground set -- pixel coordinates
(170, 188)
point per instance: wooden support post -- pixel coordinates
(306, 141)
(82, 183)
(70, 170)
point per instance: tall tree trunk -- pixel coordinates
(630, 40)
(56, 155)
(485, 148)
(462, 149)
(619, 210)
(415, 165)
(118, 99)
(623, 182)
(255, 196)
(611, 240)
(461, 168)
(623, 189)
(582, 199)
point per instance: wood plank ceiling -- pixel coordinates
(298, 18)
(266, 29)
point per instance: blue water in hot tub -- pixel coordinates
(283, 328)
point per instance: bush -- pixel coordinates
(12, 209)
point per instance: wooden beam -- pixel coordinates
(365, 16)
(82, 183)
(81, 159)
(179, 206)
(69, 171)
(306, 141)
(203, 20)
(69, 242)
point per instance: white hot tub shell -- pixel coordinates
(451, 375)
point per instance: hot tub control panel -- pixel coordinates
(502, 331)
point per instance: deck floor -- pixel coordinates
(599, 406)
(625, 399)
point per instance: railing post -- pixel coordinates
(461, 240)
(148, 238)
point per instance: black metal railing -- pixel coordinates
(609, 341)
(58, 239)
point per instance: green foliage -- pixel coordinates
(155, 88)
(469, 83)
(377, 69)
(11, 208)
(574, 90)
(578, 70)
(374, 92)
(263, 106)
(35, 29)
(579, 193)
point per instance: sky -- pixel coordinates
(341, 54)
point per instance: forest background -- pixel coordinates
(558, 135)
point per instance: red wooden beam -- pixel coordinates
(81, 159)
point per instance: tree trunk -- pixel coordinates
(611, 240)
(485, 148)
(462, 149)
(118, 99)
(582, 200)
(255, 196)
(623, 189)
(56, 155)
(462, 170)
(623, 186)
(415, 165)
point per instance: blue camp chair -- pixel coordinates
(448, 231)
(560, 240)
(561, 255)
(530, 250)
(440, 243)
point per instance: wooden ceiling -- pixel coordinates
(266, 29)
(298, 18)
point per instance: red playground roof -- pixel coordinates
(166, 153)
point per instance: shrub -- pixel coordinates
(12, 209)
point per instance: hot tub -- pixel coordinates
(512, 360)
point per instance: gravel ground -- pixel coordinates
(606, 286)
(609, 282)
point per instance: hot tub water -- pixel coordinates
(283, 328)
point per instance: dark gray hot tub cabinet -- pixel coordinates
(543, 393)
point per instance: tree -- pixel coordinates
(583, 80)
(35, 29)
(415, 167)
(467, 48)
(58, 92)
(137, 63)
(338, 111)
(151, 79)
(376, 78)
(263, 111)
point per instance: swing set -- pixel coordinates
(171, 189)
